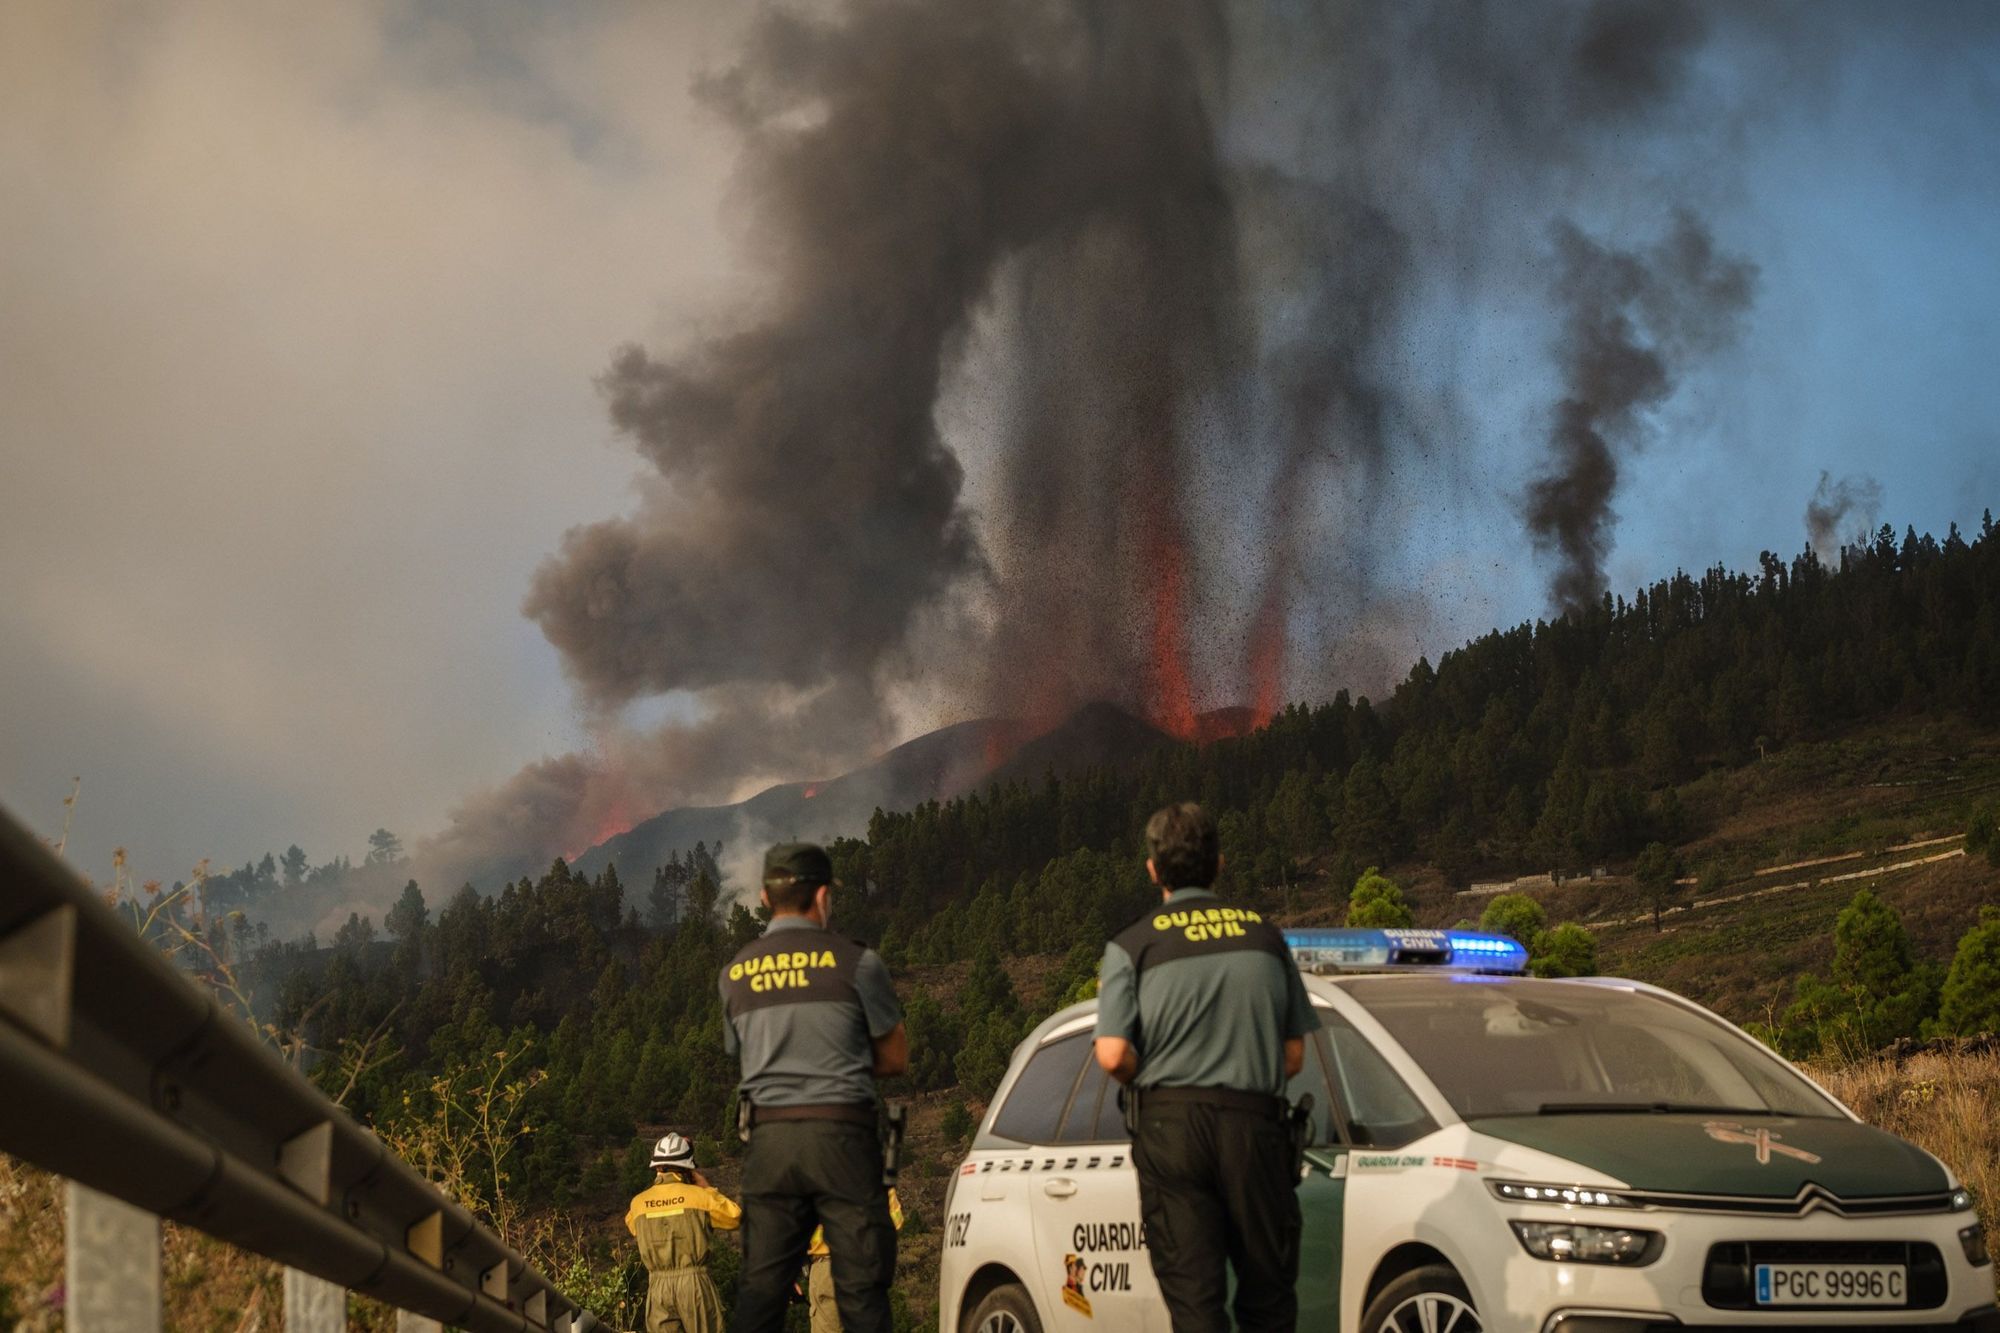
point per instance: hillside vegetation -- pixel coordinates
(1708, 729)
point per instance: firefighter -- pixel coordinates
(814, 1020)
(1203, 1017)
(674, 1222)
(819, 1275)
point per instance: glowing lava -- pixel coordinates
(1171, 705)
(1267, 659)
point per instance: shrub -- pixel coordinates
(1378, 900)
(1515, 915)
(957, 1124)
(1567, 951)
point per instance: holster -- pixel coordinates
(743, 1114)
(895, 1120)
(1128, 1102)
(1298, 1122)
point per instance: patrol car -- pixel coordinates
(1491, 1151)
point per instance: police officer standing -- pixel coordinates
(1201, 1013)
(815, 1022)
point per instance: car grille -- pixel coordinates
(1809, 1199)
(1727, 1279)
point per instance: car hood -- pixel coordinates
(1747, 1155)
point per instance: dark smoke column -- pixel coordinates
(1631, 322)
(898, 164)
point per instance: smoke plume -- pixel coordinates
(1631, 323)
(1177, 246)
(1841, 513)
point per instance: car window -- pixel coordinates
(1110, 1117)
(1382, 1112)
(1035, 1104)
(1093, 1112)
(1550, 1047)
(1311, 1078)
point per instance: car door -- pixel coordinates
(1376, 1111)
(1322, 1190)
(1093, 1269)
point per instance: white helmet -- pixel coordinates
(673, 1153)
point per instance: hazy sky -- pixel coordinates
(301, 309)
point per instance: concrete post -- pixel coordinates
(416, 1323)
(313, 1305)
(111, 1265)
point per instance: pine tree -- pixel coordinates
(1969, 1003)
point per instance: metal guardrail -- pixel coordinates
(121, 1074)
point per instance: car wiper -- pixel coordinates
(1645, 1108)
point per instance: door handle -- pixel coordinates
(1059, 1188)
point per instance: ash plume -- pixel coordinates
(1182, 243)
(1631, 323)
(1841, 513)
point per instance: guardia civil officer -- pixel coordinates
(1201, 1013)
(815, 1021)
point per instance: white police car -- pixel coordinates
(1493, 1151)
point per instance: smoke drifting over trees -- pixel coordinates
(1841, 512)
(1180, 241)
(1631, 321)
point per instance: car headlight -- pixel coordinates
(1961, 1200)
(1973, 1238)
(1581, 1196)
(1569, 1243)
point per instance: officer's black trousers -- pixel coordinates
(802, 1173)
(1218, 1184)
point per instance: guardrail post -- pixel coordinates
(111, 1268)
(313, 1305)
(416, 1323)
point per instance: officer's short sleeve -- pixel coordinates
(1300, 1016)
(730, 1045)
(878, 994)
(1117, 995)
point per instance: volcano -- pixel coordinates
(936, 766)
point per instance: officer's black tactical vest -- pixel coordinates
(793, 967)
(1198, 929)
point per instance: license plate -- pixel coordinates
(1832, 1284)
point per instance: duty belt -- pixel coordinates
(1228, 1099)
(849, 1113)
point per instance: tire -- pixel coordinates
(1006, 1309)
(1431, 1299)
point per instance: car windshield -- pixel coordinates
(1563, 1048)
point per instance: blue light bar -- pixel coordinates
(1360, 949)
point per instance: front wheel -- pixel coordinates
(1431, 1299)
(1006, 1309)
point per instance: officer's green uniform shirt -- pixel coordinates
(802, 1007)
(1207, 993)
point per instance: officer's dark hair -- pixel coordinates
(791, 893)
(1186, 851)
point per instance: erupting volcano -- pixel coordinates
(1075, 372)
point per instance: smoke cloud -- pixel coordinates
(1841, 513)
(1632, 321)
(1181, 244)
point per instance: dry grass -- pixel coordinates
(1946, 1103)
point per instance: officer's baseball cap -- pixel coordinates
(804, 861)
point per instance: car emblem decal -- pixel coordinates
(1763, 1140)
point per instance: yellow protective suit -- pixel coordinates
(674, 1222)
(819, 1275)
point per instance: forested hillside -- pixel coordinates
(575, 1015)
